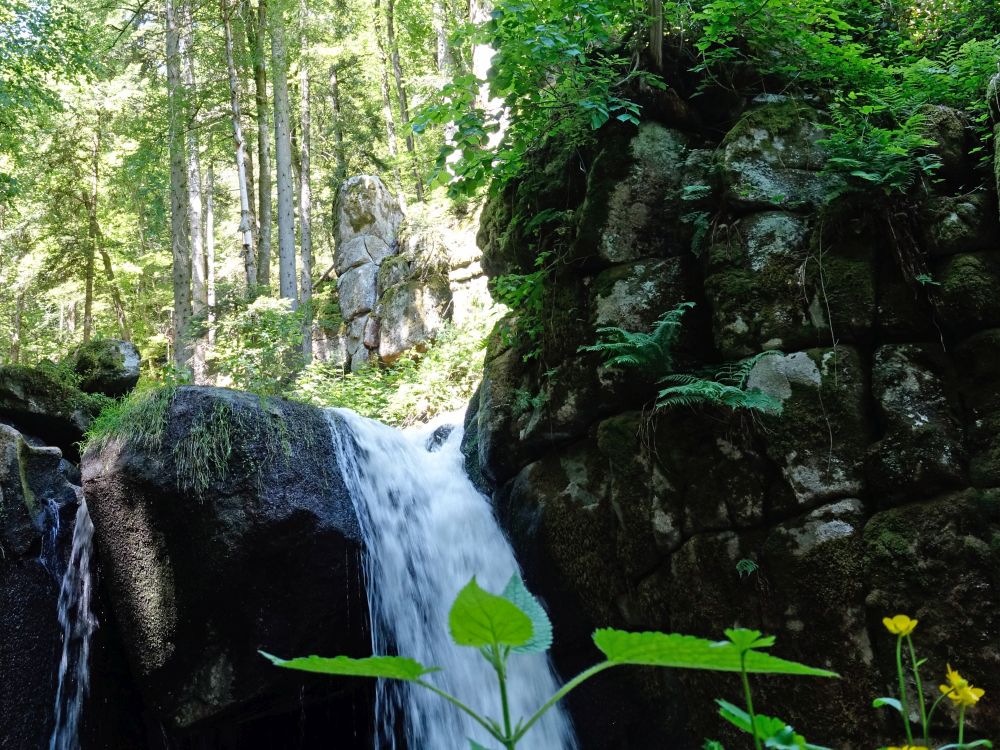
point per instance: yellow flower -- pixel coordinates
(899, 625)
(960, 691)
(908, 747)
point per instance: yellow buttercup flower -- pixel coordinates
(899, 625)
(908, 747)
(959, 690)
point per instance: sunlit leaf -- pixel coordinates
(479, 618)
(388, 667)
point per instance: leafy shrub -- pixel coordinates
(259, 347)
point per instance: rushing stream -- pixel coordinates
(427, 531)
(78, 624)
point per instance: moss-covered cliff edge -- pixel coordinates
(877, 489)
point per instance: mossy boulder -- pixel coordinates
(948, 128)
(410, 315)
(633, 204)
(40, 401)
(960, 224)
(978, 367)
(820, 438)
(772, 159)
(939, 562)
(107, 366)
(921, 451)
(967, 292)
(194, 512)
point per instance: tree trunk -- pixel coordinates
(305, 191)
(264, 214)
(655, 8)
(93, 234)
(246, 221)
(17, 329)
(338, 130)
(445, 62)
(404, 109)
(210, 247)
(116, 297)
(178, 194)
(199, 270)
(390, 120)
(283, 156)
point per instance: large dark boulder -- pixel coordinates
(107, 366)
(224, 527)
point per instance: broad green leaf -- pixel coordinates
(388, 667)
(479, 618)
(890, 702)
(689, 652)
(473, 745)
(774, 732)
(541, 636)
(967, 745)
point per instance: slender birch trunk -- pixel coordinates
(390, 120)
(210, 247)
(439, 18)
(283, 156)
(256, 35)
(305, 191)
(246, 220)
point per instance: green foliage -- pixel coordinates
(524, 295)
(515, 622)
(688, 652)
(138, 419)
(746, 568)
(649, 352)
(411, 390)
(480, 619)
(259, 346)
(772, 732)
(560, 71)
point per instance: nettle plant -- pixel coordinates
(502, 627)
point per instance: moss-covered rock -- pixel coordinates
(979, 373)
(947, 128)
(960, 224)
(107, 366)
(968, 299)
(939, 562)
(772, 159)
(920, 452)
(410, 315)
(192, 518)
(819, 439)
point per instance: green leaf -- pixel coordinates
(890, 702)
(541, 636)
(689, 652)
(479, 618)
(473, 745)
(774, 732)
(744, 639)
(388, 667)
(967, 745)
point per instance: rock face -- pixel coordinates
(107, 366)
(223, 529)
(874, 491)
(35, 495)
(38, 402)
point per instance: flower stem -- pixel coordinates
(749, 700)
(924, 724)
(902, 690)
(961, 726)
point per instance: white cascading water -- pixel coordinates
(78, 625)
(427, 531)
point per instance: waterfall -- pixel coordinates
(427, 531)
(78, 624)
